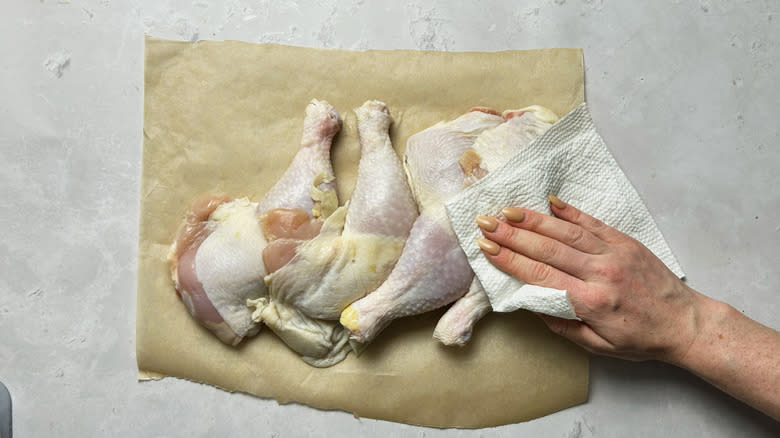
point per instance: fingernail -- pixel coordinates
(487, 223)
(556, 202)
(513, 214)
(489, 246)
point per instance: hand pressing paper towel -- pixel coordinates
(571, 161)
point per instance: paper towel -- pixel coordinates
(571, 161)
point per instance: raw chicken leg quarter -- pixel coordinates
(433, 271)
(319, 274)
(357, 247)
(216, 260)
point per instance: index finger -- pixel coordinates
(570, 234)
(527, 269)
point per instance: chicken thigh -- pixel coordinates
(433, 271)
(356, 249)
(216, 260)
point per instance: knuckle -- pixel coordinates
(499, 234)
(539, 273)
(590, 268)
(602, 302)
(547, 250)
(510, 263)
(507, 234)
(505, 260)
(532, 220)
(596, 224)
(632, 246)
(574, 215)
(610, 272)
(574, 235)
(596, 302)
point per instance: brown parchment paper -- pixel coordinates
(226, 117)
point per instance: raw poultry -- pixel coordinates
(295, 260)
(353, 253)
(216, 260)
(433, 270)
(318, 274)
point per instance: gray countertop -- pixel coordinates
(684, 93)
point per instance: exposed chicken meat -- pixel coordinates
(217, 259)
(182, 261)
(285, 229)
(433, 271)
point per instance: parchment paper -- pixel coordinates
(226, 117)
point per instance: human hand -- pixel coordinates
(631, 305)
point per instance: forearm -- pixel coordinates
(736, 354)
(630, 304)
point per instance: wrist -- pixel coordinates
(706, 316)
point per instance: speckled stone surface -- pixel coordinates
(684, 93)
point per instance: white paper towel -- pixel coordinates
(571, 161)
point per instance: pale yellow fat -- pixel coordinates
(349, 319)
(229, 209)
(335, 268)
(325, 201)
(366, 251)
(360, 262)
